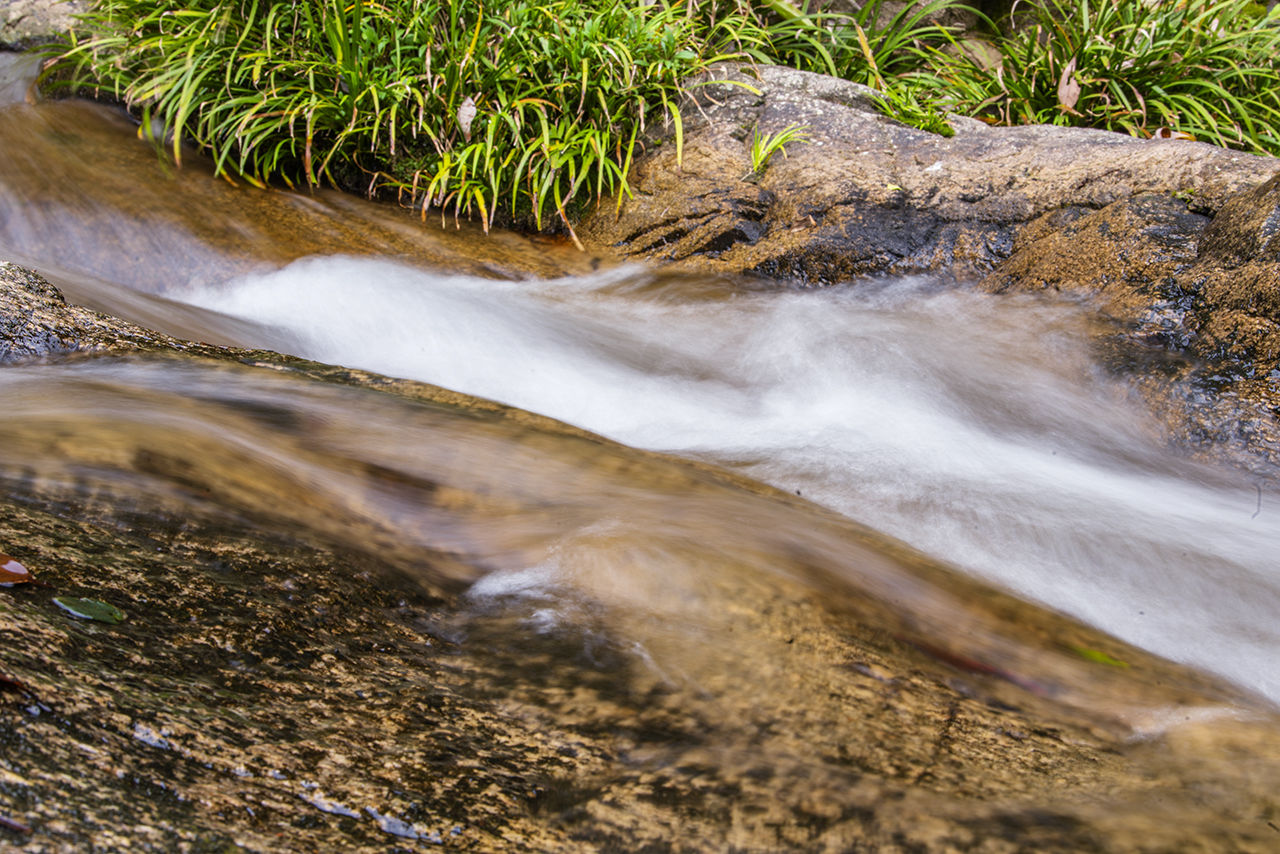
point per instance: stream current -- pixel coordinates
(982, 431)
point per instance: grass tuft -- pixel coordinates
(525, 108)
(1208, 69)
(765, 145)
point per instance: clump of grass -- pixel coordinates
(913, 101)
(505, 108)
(529, 109)
(765, 145)
(866, 45)
(881, 46)
(511, 106)
(1207, 68)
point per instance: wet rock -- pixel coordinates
(35, 320)
(274, 692)
(1127, 258)
(1205, 292)
(27, 22)
(867, 195)
(1237, 276)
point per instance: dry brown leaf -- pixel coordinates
(1069, 88)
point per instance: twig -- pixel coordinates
(15, 826)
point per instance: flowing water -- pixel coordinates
(976, 429)
(981, 431)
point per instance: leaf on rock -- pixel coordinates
(1098, 656)
(90, 609)
(12, 572)
(8, 683)
(1170, 133)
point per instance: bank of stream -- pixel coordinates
(738, 596)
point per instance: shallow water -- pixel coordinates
(981, 431)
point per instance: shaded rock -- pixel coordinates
(867, 195)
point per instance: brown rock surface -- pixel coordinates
(1127, 258)
(1204, 292)
(257, 699)
(1237, 275)
(868, 195)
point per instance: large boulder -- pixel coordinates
(866, 194)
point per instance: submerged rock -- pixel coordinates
(867, 195)
(274, 689)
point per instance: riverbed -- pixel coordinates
(887, 448)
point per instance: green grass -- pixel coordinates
(527, 111)
(367, 95)
(511, 109)
(765, 145)
(1207, 68)
(864, 46)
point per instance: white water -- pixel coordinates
(976, 429)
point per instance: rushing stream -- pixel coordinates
(982, 431)
(979, 430)
(973, 428)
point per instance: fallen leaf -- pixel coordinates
(90, 609)
(12, 572)
(1170, 133)
(1069, 87)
